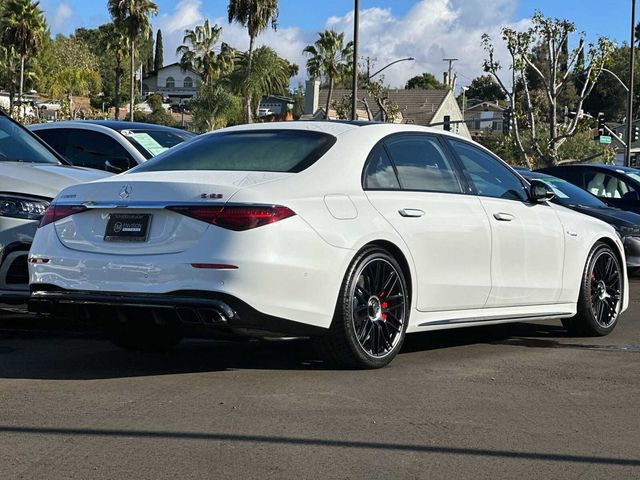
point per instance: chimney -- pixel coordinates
(311, 97)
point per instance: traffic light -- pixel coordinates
(446, 125)
(601, 129)
(506, 121)
(635, 133)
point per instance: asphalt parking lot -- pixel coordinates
(496, 402)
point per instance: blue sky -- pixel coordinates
(428, 30)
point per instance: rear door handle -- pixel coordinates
(503, 217)
(411, 212)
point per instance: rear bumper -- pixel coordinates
(198, 313)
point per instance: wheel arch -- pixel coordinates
(614, 246)
(618, 250)
(399, 256)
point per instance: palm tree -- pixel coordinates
(329, 58)
(9, 76)
(214, 107)
(269, 74)
(118, 44)
(22, 27)
(255, 15)
(198, 53)
(132, 17)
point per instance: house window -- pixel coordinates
(188, 82)
(171, 82)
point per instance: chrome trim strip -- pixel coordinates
(494, 318)
(159, 205)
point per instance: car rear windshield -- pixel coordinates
(151, 143)
(254, 151)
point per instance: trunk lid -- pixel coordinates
(147, 194)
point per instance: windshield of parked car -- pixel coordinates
(253, 151)
(567, 193)
(631, 174)
(17, 145)
(151, 143)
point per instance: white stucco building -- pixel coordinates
(171, 81)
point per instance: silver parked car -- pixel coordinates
(31, 175)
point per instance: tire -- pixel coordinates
(145, 336)
(372, 313)
(601, 294)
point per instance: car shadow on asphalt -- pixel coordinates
(31, 348)
(373, 446)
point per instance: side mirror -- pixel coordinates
(540, 191)
(117, 164)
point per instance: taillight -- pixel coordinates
(205, 213)
(236, 217)
(54, 212)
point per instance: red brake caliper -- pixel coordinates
(384, 305)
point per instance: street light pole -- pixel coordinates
(606, 70)
(464, 100)
(627, 160)
(369, 77)
(356, 20)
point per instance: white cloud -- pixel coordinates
(288, 42)
(61, 18)
(430, 31)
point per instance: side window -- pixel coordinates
(85, 148)
(489, 177)
(422, 164)
(605, 185)
(379, 173)
(54, 137)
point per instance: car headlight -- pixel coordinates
(627, 231)
(22, 207)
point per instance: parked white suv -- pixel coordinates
(31, 175)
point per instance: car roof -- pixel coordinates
(124, 125)
(338, 127)
(110, 124)
(599, 166)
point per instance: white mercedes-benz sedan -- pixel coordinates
(352, 233)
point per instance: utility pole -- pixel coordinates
(356, 20)
(368, 60)
(449, 77)
(632, 43)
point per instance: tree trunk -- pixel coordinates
(553, 134)
(330, 93)
(116, 100)
(12, 96)
(21, 90)
(133, 81)
(248, 113)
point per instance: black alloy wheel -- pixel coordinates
(372, 313)
(601, 294)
